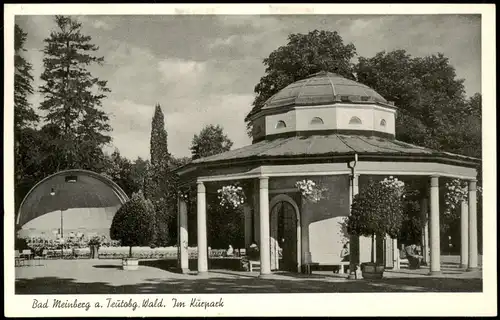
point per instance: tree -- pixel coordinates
(133, 223)
(225, 224)
(179, 162)
(377, 210)
(210, 141)
(119, 169)
(24, 115)
(138, 173)
(72, 96)
(160, 185)
(303, 55)
(26, 145)
(429, 97)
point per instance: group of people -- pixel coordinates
(413, 253)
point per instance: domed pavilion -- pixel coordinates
(70, 203)
(338, 133)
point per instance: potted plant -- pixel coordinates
(134, 225)
(377, 210)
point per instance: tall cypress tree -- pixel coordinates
(160, 157)
(73, 97)
(160, 187)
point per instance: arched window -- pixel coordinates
(316, 120)
(281, 124)
(383, 123)
(355, 120)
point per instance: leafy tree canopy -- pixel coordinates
(303, 55)
(430, 99)
(376, 210)
(210, 141)
(133, 224)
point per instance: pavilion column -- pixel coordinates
(247, 213)
(354, 257)
(473, 265)
(424, 215)
(183, 236)
(265, 259)
(435, 267)
(464, 234)
(202, 229)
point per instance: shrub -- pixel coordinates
(134, 223)
(377, 210)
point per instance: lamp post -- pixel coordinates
(53, 193)
(67, 179)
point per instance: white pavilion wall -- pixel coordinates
(322, 237)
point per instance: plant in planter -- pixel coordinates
(377, 210)
(134, 225)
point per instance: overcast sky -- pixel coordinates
(202, 69)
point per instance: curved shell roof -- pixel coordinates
(91, 190)
(323, 88)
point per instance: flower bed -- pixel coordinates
(138, 252)
(156, 253)
(81, 253)
(56, 253)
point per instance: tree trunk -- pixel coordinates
(373, 248)
(130, 252)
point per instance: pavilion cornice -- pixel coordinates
(365, 166)
(333, 158)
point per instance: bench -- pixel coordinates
(340, 264)
(252, 265)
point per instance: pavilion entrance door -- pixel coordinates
(283, 237)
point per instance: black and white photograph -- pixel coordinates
(215, 160)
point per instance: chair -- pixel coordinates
(27, 254)
(39, 258)
(18, 259)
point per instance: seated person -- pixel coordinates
(230, 251)
(344, 256)
(253, 252)
(413, 256)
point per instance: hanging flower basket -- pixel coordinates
(231, 196)
(395, 185)
(456, 192)
(310, 190)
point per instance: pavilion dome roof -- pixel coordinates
(324, 88)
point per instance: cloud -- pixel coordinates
(203, 69)
(131, 123)
(99, 24)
